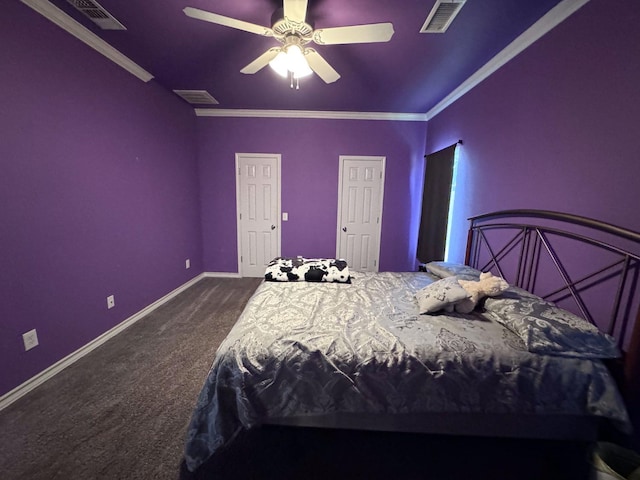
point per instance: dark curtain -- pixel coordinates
(435, 205)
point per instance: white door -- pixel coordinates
(258, 207)
(361, 188)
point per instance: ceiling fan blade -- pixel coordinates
(295, 10)
(372, 33)
(319, 65)
(227, 21)
(262, 61)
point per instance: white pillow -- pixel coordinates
(450, 269)
(440, 295)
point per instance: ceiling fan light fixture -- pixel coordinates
(291, 60)
(280, 64)
(303, 71)
(298, 65)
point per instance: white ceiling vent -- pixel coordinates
(197, 97)
(441, 16)
(97, 14)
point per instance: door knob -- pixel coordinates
(273, 227)
(344, 229)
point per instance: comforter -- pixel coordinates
(306, 349)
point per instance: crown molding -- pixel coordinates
(546, 23)
(550, 20)
(316, 114)
(64, 21)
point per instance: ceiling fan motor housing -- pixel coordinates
(285, 28)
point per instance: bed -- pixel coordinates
(358, 354)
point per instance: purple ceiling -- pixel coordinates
(411, 73)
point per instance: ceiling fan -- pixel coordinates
(293, 58)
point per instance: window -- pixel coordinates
(436, 201)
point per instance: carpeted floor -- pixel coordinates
(121, 413)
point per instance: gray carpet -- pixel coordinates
(121, 412)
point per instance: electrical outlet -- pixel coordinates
(111, 301)
(30, 339)
(187, 263)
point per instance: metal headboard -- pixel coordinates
(523, 239)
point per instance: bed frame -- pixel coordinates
(519, 244)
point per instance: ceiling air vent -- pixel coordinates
(441, 16)
(97, 14)
(197, 97)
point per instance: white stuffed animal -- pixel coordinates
(487, 286)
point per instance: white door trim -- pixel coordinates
(279, 215)
(383, 161)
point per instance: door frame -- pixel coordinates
(278, 158)
(383, 161)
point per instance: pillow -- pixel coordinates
(440, 295)
(449, 269)
(548, 329)
(512, 298)
(282, 269)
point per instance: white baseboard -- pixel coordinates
(21, 390)
(222, 274)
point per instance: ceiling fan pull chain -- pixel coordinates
(297, 84)
(291, 76)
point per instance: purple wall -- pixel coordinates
(310, 154)
(98, 193)
(556, 128)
